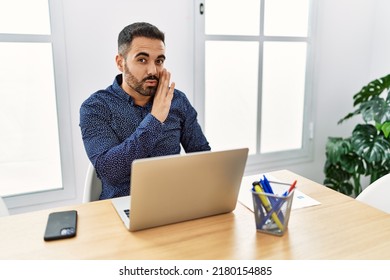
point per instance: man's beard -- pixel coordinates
(138, 86)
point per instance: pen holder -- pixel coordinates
(272, 212)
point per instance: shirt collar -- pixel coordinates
(116, 86)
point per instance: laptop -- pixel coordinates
(177, 188)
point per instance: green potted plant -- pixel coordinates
(366, 153)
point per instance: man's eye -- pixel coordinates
(159, 61)
(142, 60)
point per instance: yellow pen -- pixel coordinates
(268, 207)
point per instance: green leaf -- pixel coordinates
(370, 145)
(372, 89)
(368, 92)
(386, 129)
(352, 163)
(338, 179)
(336, 147)
(376, 109)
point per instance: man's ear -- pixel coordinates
(120, 62)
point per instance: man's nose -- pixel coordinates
(152, 69)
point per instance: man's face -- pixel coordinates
(142, 66)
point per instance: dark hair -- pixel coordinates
(138, 29)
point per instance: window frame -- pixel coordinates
(57, 39)
(271, 160)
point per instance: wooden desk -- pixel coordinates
(339, 228)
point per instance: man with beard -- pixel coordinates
(140, 115)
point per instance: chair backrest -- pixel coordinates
(92, 186)
(3, 208)
(377, 194)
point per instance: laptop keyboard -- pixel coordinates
(127, 212)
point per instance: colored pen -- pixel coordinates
(264, 184)
(268, 185)
(292, 186)
(267, 206)
(258, 201)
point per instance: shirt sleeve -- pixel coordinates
(111, 157)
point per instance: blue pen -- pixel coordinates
(264, 186)
(268, 184)
(267, 188)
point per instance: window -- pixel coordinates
(34, 167)
(252, 77)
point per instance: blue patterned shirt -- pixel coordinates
(116, 131)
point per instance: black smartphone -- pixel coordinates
(61, 225)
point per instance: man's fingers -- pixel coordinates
(164, 89)
(163, 82)
(171, 89)
(163, 98)
(165, 85)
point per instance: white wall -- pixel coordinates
(92, 29)
(347, 38)
(352, 41)
(380, 62)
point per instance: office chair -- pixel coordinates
(92, 186)
(377, 194)
(3, 208)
